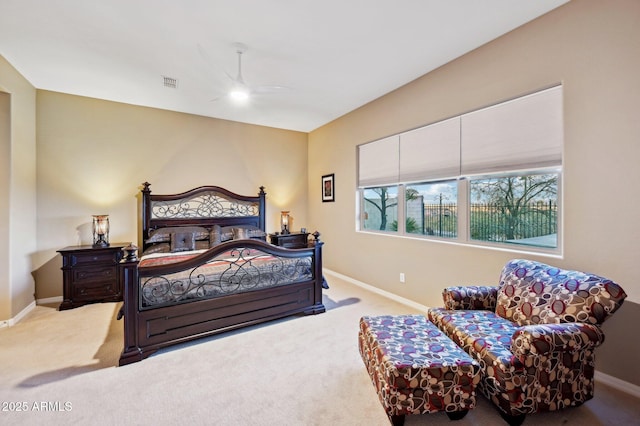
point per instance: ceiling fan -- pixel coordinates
(240, 91)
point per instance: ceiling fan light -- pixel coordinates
(239, 94)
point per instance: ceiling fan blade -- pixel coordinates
(232, 78)
(240, 90)
(212, 66)
(270, 88)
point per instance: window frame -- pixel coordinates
(400, 210)
(517, 137)
(456, 183)
(557, 250)
(464, 217)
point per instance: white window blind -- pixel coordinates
(431, 152)
(524, 133)
(378, 162)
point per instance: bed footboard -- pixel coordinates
(148, 328)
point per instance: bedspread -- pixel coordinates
(235, 271)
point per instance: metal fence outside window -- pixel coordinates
(498, 222)
(492, 221)
(441, 220)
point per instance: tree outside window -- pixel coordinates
(380, 208)
(515, 209)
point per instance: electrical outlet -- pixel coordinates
(401, 277)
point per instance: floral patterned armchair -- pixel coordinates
(534, 334)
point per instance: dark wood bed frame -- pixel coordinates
(150, 329)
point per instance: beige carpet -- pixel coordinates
(61, 368)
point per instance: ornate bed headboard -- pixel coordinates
(204, 206)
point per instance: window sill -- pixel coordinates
(529, 251)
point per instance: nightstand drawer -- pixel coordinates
(293, 240)
(94, 274)
(99, 289)
(293, 244)
(80, 259)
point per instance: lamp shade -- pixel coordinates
(284, 221)
(101, 230)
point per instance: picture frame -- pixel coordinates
(328, 188)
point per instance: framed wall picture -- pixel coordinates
(328, 188)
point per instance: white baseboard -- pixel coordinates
(618, 384)
(376, 290)
(46, 300)
(13, 321)
(606, 379)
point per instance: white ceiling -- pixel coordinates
(329, 56)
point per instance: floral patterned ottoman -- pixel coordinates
(415, 368)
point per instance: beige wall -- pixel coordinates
(5, 168)
(93, 155)
(17, 191)
(593, 49)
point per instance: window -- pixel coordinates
(380, 208)
(490, 176)
(431, 208)
(518, 209)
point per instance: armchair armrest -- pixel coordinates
(542, 339)
(470, 297)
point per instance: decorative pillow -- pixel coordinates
(215, 236)
(183, 241)
(255, 232)
(240, 233)
(158, 248)
(163, 235)
(226, 232)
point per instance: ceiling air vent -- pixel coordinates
(170, 82)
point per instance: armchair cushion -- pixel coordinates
(482, 334)
(544, 339)
(534, 293)
(470, 297)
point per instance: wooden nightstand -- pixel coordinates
(90, 274)
(292, 240)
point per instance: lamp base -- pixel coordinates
(101, 243)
